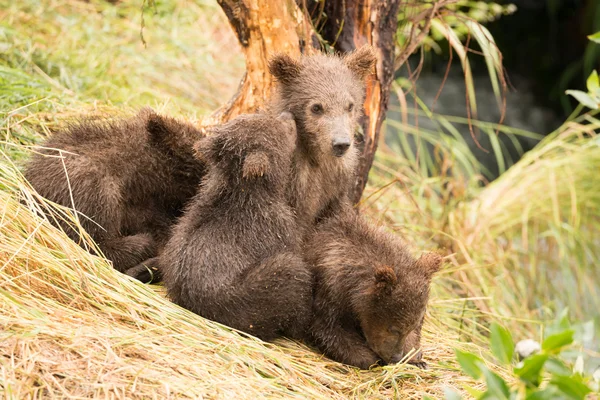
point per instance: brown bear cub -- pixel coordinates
(232, 256)
(325, 93)
(128, 180)
(370, 294)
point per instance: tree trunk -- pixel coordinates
(264, 27)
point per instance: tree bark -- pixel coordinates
(264, 27)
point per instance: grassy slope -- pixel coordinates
(71, 326)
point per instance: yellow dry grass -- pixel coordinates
(72, 327)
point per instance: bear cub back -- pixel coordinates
(370, 294)
(129, 178)
(233, 256)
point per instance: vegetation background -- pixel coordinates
(520, 249)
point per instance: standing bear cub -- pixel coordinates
(370, 294)
(233, 256)
(325, 93)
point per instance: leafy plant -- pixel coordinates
(591, 99)
(543, 375)
(457, 22)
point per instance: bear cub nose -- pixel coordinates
(340, 146)
(396, 358)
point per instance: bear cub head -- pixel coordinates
(252, 151)
(394, 305)
(370, 293)
(325, 93)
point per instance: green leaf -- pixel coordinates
(545, 394)
(562, 322)
(475, 393)
(595, 37)
(530, 372)
(450, 394)
(501, 343)
(496, 387)
(583, 98)
(555, 343)
(570, 387)
(469, 363)
(557, 367)
(592, 82)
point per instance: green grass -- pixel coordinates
(518, 250)
(60, 58)
(523, 247)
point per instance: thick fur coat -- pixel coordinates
(128, 180)
(234, 255)
(370, 294)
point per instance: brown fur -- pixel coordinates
(232, 257)
(325, 94)
(370, 294)
(321, 176)
(129, 180)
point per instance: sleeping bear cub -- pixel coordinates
(128, 179)
(370, 294)
(233, 256)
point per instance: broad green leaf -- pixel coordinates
(475, 393)
(554, 343)
(583, 98)
(545, 394)
(557, 367)
(469, 363)
(530, 372)
(593, 82)
(496, 387)
(450, 394)
(595, 37)
(501, 343)
(571, 387)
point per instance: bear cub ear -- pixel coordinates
(430, 263)
(361, 61)
(255, 165)
(284, 68)
(385, 278)
(155, 124)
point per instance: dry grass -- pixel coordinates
(72, 327)
(522, 248)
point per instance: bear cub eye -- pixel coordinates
(316, 109)
(394, 330)
(350, 107)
